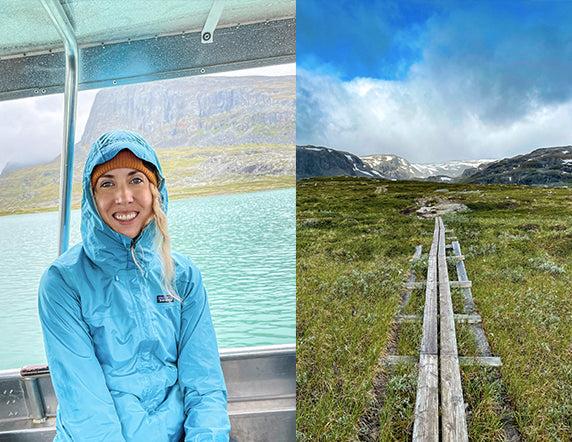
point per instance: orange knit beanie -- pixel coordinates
(127, 159)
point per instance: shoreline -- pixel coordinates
(207, 191)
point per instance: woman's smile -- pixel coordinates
(125, 217)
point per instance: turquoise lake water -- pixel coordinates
(244, 245)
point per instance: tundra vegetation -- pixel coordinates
(355, 239)
(190, 172)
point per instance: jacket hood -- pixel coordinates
(102, 244)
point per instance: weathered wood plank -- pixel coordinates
(412, 285)
(489, 361)
(453, 421)
(468, 319)
(396, 360)
(408, 318)
(452, 284)
(426, 424)
(469, 304)
(417, 253)
(429, 337)
(410, 280)
(460, 284)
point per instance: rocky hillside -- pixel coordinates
(313, 161)
(546, 166)
(322, 161)
(199, 111)
(213, 133)
(549, 166)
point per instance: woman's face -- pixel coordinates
(124, 200)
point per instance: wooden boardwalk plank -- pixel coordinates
(410, 280)
(452, 284)
(469, 304)
(442, 417)
(468, 319)
(485, 361)
(489, 361)
(460, 284)
(453, 421)
(426, 424)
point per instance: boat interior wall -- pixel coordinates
(138, 40)
(261, 384)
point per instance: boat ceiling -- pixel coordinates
(130, 41)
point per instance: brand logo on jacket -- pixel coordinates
(164, 298)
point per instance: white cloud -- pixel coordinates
(414, 119)
(472, 80)
(32, 128)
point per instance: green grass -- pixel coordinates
(352, 259)
(354, 242)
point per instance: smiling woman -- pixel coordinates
(120, 306)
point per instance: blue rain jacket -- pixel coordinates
(127, 364)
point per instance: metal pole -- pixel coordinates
(60, 19)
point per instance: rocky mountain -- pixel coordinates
(313, 161)
(199, 111)
(323, 161)
(399, 168)
(549, 166)
(212, 134)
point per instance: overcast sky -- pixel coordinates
(31, 129)
(434, 80)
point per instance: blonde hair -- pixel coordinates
(163, 243)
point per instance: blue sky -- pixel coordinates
(434, 80)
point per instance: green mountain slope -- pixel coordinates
(212, 134)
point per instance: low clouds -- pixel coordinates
(414, 120)
(488, 83)
(32, 128)
(500, 64)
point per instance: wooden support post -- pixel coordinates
(460, 284)
(485, 361)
